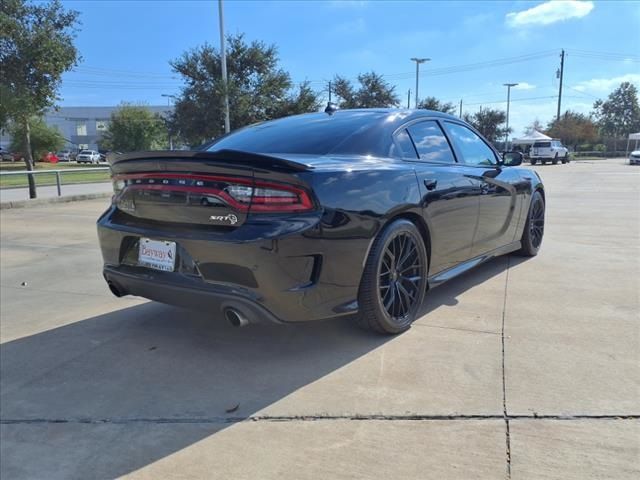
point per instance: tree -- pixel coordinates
(36, 48)
(134, 128)
(43, 138)
(303, 101)
(619, 115)
(432, 103)
(573, 128)
(373, 92)
(489, 123)
(536, 126)
(258, 89)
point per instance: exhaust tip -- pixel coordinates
(235, 318)
(115, 290)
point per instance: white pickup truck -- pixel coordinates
(548, 151)
(88, 156)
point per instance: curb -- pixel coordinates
(38, 202)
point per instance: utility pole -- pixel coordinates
(409, 98)
(561, 75)
(223, 58)
(169, 97)
(460, 115)
(418, 62)
(506, 136)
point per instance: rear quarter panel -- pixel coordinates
(358, 200)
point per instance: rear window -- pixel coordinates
(542, 144)
(431, 143)
(85, 151)
(318, 134)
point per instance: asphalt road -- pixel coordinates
(522, 369)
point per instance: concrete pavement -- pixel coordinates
(16, 194)
(520, 369)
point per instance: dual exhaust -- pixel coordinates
(234, 316)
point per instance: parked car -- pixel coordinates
(6, 156)
(318, 215)
(64, 155)
(634, 157)
(103, 155)
(548, 151)
(88, 156)
(49, 157)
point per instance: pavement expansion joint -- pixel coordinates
(310, 418)
(504, 383)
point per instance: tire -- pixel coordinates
(534, 228)
(389, 303)
(544, 162)
(555, 160)
(533, 161)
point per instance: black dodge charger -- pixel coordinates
(317, 216)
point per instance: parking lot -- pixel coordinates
(523, 368)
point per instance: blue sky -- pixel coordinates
(126, 47)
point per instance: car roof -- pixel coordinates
(395, 114)
(352, 131)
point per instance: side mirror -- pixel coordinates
(511, 159)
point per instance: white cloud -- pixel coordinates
(605, 85)
(524, 86)
(550, 12)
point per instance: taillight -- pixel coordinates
(243, 194)
(269, 197)
(118, 185)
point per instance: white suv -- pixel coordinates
(88, 156)
(548, 150)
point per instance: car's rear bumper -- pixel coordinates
(175, 289)
(265, 272)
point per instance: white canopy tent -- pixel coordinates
(530, 139)
(633, 136)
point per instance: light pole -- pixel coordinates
(506, 136)
(169, 97)
(418, 62)
(223, 58)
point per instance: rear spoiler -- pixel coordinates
(234, 157)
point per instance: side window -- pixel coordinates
(403, 147)
(473, 149)
(431, 143)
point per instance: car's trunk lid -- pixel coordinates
(199, 188)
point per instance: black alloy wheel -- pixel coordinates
(534, 228)
(394, 280)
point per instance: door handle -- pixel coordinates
(430, 184)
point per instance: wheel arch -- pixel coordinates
(420, 223)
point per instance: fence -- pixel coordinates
(58, 174)
(609, 154)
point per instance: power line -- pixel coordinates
(102, 71)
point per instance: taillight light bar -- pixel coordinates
(243, 194)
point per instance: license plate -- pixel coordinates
(157, 254)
